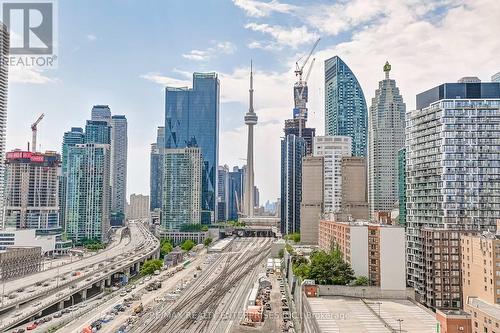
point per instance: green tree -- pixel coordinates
(360, 281)
(166, 247)
(330, 268)
(325, 268)
(150, 266)
(281, 253)
(187, 245)
(207, 241)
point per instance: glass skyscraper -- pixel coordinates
(70, 139)
(192, 120)
(156, 170)
(101, 112)
(293, 149)
(236, 190)
(97, 131)
(345, 105)
(88, 192)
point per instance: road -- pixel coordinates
(91, 270)
(214, 301)
(147, 299)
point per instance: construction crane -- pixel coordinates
(300, 69)
(300, 88)
(307, 77)
(34, 130)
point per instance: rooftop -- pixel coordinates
(352, 315)
(492, 310)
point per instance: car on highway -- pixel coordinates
(37, 303)
(58, 314)
(19, 330)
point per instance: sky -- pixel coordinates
(124, 52)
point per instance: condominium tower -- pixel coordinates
(4, 80)
(453, 182)
(32, 190)
(386, 135)
(88, 192)
(119, 151)
(70, 139)
(182, 188)
(332, 149)
(345, 105)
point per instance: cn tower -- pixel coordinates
(250, 120)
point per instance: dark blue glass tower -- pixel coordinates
(293, 149)
(235, 201)
(192, 120)
(345, 105)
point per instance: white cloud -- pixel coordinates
(427, 43)
(91, 37)
(21, 74)
(166, 80)
(211, 52)
(261, 9)
(294, 36)
(197, 55)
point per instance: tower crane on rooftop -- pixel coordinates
(299, 69)
(34, 132)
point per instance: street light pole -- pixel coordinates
(400, 321)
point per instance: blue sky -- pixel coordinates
(123, 53)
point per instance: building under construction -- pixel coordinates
(31, 196)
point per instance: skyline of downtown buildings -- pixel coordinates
(474, 205)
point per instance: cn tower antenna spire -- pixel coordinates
(250, 121)
(250, 108)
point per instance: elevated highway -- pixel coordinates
(46, 292)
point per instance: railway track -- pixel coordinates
(196, 309)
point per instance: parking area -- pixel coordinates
(277, 312)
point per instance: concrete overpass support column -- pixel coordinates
(60, 306)
(102, 284)
(108, 282)
(84, 294)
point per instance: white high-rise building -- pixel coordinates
(386, 136)
(452, 182)
(332, 148)
(119, 146)
(181, 188)
(4, 80)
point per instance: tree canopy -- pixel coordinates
(150, 266)
(294, 237)
(325, 268)
(207, 241)
(166, 247)
(188, 245)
